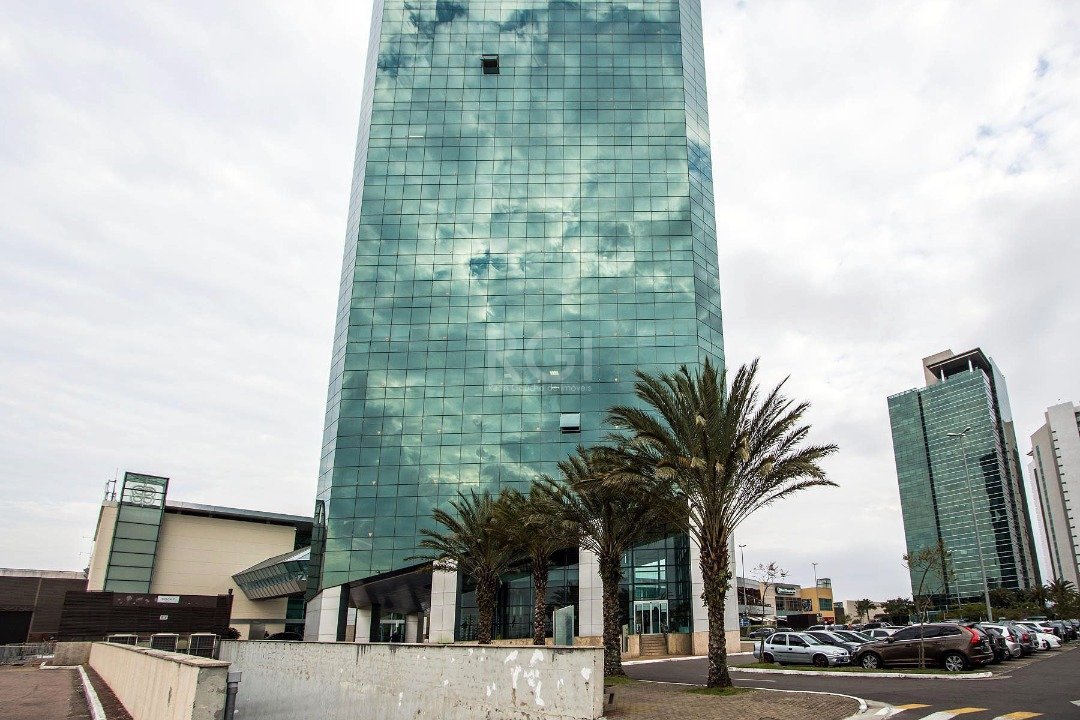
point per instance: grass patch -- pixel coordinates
(618, 680)
(854, 668)
(721, 691)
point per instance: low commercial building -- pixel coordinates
(852, 614)
(821, 600)
(31, 602)
(146, 543)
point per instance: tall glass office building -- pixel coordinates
(939, 485)
(531, 221)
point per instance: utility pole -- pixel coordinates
(739, 590)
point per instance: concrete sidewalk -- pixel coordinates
(28, 693)
(660, 701)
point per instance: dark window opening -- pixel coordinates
(490, 64)
(570, 423)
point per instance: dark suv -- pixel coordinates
(946, 644)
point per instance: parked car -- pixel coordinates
(1044, 640)
(853, 636)
(879, 633)
(1011, 635)
(834, 638)
(761, 632)
(997, 642)
(800, 649)
(949, 645)
(1026, 637)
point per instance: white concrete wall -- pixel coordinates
(99, 556)
(156, 685)
(334, 681)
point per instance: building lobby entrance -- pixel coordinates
(650, 616)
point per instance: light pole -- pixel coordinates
(739, 590)
(962, 436)
(817, 597)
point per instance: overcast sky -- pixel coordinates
(892, 179)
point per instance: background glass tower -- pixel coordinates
(531, 221)
(963, 391)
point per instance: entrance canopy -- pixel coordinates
(406, 591)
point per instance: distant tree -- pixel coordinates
(768, 575)
(898, 610)
(1062, 593)
(927, 567)
(863, 608)
(1004, 598)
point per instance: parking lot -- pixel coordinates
(1042, 685)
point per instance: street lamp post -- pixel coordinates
(962, 436)
(739, 590)
(817, 596)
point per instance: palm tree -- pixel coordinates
(611, 517)
(473, 543)
(530, 523)
(863, 608)
(729, 452)
(1060, 592)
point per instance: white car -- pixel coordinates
(1044, 639)
(800, 649)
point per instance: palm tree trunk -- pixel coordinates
(485, 606)
(610, 575)
(715, 573)
(540, 581)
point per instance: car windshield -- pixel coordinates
(852, 636)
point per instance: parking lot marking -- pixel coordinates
(1021, 715)
(910, 706)
(948, 714)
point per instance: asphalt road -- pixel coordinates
(1044, 685)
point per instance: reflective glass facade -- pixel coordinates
(531, 222)
(934, 485)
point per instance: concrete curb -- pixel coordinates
(917, 676)
(96, 711)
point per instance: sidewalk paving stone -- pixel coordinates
(29, 693)
(659, 701)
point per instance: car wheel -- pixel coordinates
(954, 662)
(1017, 653)
(1045, 644)
(820, 661)
(768, 658)
(870, 661)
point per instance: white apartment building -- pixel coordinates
(1055, 472)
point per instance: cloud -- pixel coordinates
(890, 181)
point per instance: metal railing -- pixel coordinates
(25, 652)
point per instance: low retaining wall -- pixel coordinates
(71, 653)
(157, 685)
(332, 681)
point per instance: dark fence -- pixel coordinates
(93, 615)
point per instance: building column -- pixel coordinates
(443, 621)
(363, 625)
(412, 628)
(590, 595)
(323, 616)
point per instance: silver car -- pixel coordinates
(800, 649)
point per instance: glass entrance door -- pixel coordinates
(650, 616)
